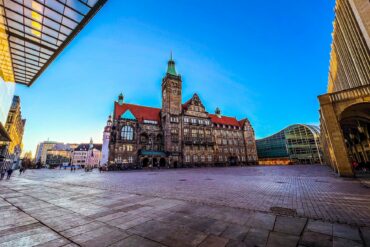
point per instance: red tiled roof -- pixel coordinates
(186, 104)
(224, 120)
(140, 112)
(151, 113)
(243, 121)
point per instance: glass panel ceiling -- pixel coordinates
(34, 32)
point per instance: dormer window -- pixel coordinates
(150, 121)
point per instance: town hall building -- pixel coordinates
(177, 134)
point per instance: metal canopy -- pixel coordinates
(36, 31)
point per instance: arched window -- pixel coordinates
(127, 133)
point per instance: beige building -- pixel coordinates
(42, 149)
(345, 109)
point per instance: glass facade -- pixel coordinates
(298, 143)
(34, 32)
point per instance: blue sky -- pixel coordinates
(265, 61)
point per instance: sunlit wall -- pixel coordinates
(6, 96)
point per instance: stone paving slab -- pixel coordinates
(35, 211)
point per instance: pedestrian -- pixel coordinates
(71, 168)
(2, 173)
(10, 171)
(20, 170)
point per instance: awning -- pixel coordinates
(152, 153)
(34, 32)
(4, 137)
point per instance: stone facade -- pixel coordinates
(15, 128)
(345, 109)
(177, 135)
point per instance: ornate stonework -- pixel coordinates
(177, 135)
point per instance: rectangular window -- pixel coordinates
(194, 133)
(174, 119)
(195, 158)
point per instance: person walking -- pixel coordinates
(2, 173)
(10, 171)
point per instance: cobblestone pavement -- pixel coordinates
(241, 206)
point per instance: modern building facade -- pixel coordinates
(42, 149)
(345, 108)
(14, 127)
(296, 144)
(58, 157)
(177, 134)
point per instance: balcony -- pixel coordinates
(349, 94)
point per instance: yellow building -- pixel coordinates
(345, 109)
(15, 126)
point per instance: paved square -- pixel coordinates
(236, 206)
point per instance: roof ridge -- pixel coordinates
(157, 108)
(224, 116)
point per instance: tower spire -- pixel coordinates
(171, 66)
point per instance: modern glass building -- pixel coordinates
(296, 144)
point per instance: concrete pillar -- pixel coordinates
(336, 142)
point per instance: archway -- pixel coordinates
(155, 162)
(232, 160)
(145, 162)
(355, 124)
(162, 162)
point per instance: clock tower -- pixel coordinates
(171, 90)
(171, 112)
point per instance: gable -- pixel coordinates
(128, 115)
(139, 112)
